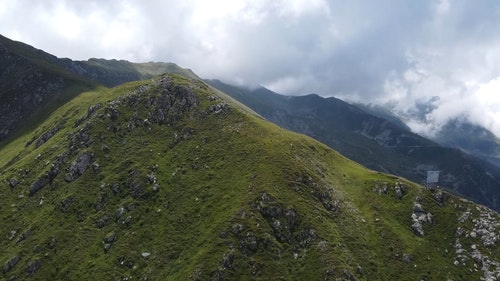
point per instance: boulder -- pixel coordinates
(10, 264)
(33, 267)
(110, 238)
(79, 166)
(39, 184)
(13, 182)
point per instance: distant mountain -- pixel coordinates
(471, 138)
(383, 113)
(167, 179)
(457, 133)
(33, 82)
(374, 142)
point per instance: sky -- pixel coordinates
(428, 60)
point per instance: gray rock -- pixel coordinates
(417, 225)
(292, 219)
(348, 275)
(417, 208)
(66, 203)
(10, 264)
(47, 135)
(465, 216)
(110, 238)
(52, 243)
(237, 228)
(52, 173)
(127, 220)
(95, 167)
(79, 166)
(407, 258)
(306, 237)
(252, 242)
(33, 267)
(272, 211)
(102, 222)
(105, 148)
(107, 247)
(92, 109)
(359, 270)
(439, 197)
(145, 254)
(119, 213)
(399, 192)
(228, 260)
(13, 182)
(38, 185)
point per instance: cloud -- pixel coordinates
(427, 59)
(452, 68)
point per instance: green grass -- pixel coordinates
(212, 180)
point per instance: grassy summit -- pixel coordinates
(168, 180)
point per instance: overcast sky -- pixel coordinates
(397, 52)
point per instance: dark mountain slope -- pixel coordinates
(471, 138)
(165, 180)
(375, 142)
(33, 83)
(457, 133)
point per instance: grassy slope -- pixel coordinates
(218, 180)
(375, 143)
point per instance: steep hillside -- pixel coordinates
(375, 142)
(166, 180)
(33, 83)
(31, 86)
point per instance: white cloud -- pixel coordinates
(405, 53)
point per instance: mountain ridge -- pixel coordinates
(374, 142)
(28, 72)
(135, 179)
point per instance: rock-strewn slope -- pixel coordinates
(166, 179)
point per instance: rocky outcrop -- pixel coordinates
(33, 267)
(418, 217)
(44, 180)
(79, 166)
(10, 264)
(484, 235)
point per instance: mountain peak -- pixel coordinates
(167, 178)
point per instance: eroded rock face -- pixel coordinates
(171, 103)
